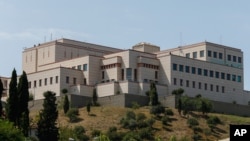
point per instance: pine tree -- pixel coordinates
(66, 104)
(95, 97)
(23, 111)
(1, 92)
(12, 102)
(153, 95)
(47, 130)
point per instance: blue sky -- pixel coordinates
(122, 24)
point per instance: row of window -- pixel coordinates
(206, 72)
(195, 54)
(43, 81)
(83, 67)
(199, 85)
(75, 80)
(148, 66)
(219, 55)
(110, 66)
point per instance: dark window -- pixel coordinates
(79, 67)
(45, 81)
(187, 83)
(217, 88)
(239, 60)
(188, 55)
(234, 58)
(228, 76)
(211, 87)
(181, 68)
(220, 55)
(103, 74)
(229, 57)
(187, 69)
(128, 73)
(122, 74)
(40, 82)
(222, 75)
(199, 71)
(67, 79)
(51, 80)
(84, 81)
(202, 53)
(209, 53)
(239, 78)
(181, 82)
(193, 70)
(85, 67)
(211, 73)
(175, 67)
(56, 79)
(156, 74)
(135, 75)
(29, 84)
(199, 85)
(74, 80)
(193, 84)
(34, 83)
(215, 54)
(175, 81)
(217, 74)
(205, 86)
(205, 72)
(234, 77)
(194, 54)
(223, 89)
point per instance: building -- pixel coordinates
(214, 71)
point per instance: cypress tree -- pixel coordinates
(47, 130)
(1, 92)
(95, 97)
(23, 112)
(12, 102)
(153, 95)
(66, 104)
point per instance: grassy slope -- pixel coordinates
(103, 117)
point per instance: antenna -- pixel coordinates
(180, 38)
(44, 38)
(51, 37)
(221, 39)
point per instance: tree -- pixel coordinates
(12, 102)
(47, 129)
(95, 97)
(88, 107)
(1, 92)
(8, 132)
(178, 93)
(204, 105)
(66, 104)
(23, 100)
(153, 96)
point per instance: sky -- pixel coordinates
(122, 24)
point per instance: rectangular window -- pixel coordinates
(122, 74)
(188, 55)
(175, 81)
(181, 82)
(84, 81)
(209, 53)
(174, 67)
(67, 79)
(40, 82)
(222, 75)
(211, 73)
(85, 67)
(193, 70)
(187, 83)
(103, 75)
(229, 57)
(215, 54)
(217, 88)
(234, 58)
(239, 78)
(239, 60)
(199, 85)
(128, 73)
(211, 87)
(234, 77)
(181, 67)
(193, 84)
(194, 54)
(217, 74)
(228, 76)
(199, 71)
(56, 79)
(220, 55)
(45, 81)
(187, 69)
(202, 53)
(74, 81)
(29, 84)
(156, 74)
(205, 72)
(205, 86)
(223, 89)
(35, 84)
(74, 67)
(79, 67)
(51, 80)
(135, 74)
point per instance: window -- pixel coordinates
(175, 67)
(40, 82)
(45, 81)
(128, 73)
(234, 58)
(205, 86)
(85, 67)
(175, 81)
(223, 89)
(34, 83)
(234, 77)
(188, 55)
(74, 81)
(135, 74)
(239, 60)
(181, 68)
(187, 69)
(202, 53)
(181, 82)
(209, 53)
(79, 67)
(67, 79)
(193, 70)
(229, 57)
(228, 76)
(217, 88)
(220, 55)
(205, 72)
(215, 54)
(122, 74)
(194, 54)
(156, 74)
(56, 79)
(74, 67)
(239, 78)
(187, 83)
(199, 71)
(29, 84)
(199, 85)
(193, 84)
(222, 75)
(51, 80)
(217, 74)
(84, 81)
(211, 73)
(211, 87)
(103, 75)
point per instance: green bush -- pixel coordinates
(135, 105)
(196, 137)
(214, 120)
(96, 133)
(150, 122)
(145, 133)
(8, 132)
(165, 120)
(130, 115)
(142, 124)
(72, 114)
(132, 124)
(157, 110)
(169, 112)
(141, 116)
(192, 122)
(131, 136)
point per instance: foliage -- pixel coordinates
(47, 129)
(179, 106)
(131, 136)
(196, 137)
(145, 133)
(72, 114)
(64, 91)
(31, 97)
(204, 105)
(103, 138)
(153, 96)
(188, 104)
(1, 92)
(95, 97)
(66, 104)
(192, 122)
(130, 115)
(173, 138)
(178, 92)
(140, 117)
(9, 133)
(96, 133)
(169, 112)
(76, 133)
(156, 110)
(88, 107)
(213, 120)
(135, 105)
(79, 133)
(114, 135)
(165, 119)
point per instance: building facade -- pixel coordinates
(214, 71)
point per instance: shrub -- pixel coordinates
(142, 124)
(79, 130)
(124, 122)
(112, 129)
(131, 136)
(192, 122)
(196, 137)
(169, 112)
(130, 115)
(95, 133)
(157, 110)
(150, 122)
(165, 120)
(132, 124)
(135, 105)
(173, 138)
(72, 114)
(213, 120)
(115, 136)
(141, 116)
(145, 133)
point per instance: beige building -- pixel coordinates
(212, 70)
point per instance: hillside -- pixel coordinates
(104, 117)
